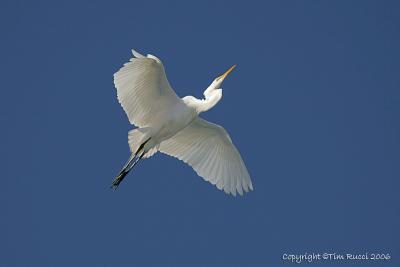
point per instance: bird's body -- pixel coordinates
(172, 125)
(166, 124)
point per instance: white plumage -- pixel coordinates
(143, 90)
(171, 125)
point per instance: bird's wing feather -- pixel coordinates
(143, 89)
(209, 150)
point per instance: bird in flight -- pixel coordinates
(171, 125)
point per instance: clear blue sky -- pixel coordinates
(313, 106)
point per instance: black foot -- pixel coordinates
(118, 180)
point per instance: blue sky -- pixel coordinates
(313, 107)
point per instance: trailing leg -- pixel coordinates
(132, 161)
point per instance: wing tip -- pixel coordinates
(136, 54)
(237, 191)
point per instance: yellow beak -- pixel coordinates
(223, 76)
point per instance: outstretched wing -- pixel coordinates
(209, 150)
(143, 89)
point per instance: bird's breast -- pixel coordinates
(175, 121)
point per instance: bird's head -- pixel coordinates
(216, 84)
(218, 81)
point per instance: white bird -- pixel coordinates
(172, 125)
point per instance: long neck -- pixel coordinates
(211, 99)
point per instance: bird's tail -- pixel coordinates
(132, 161)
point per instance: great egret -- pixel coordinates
(172, 125)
